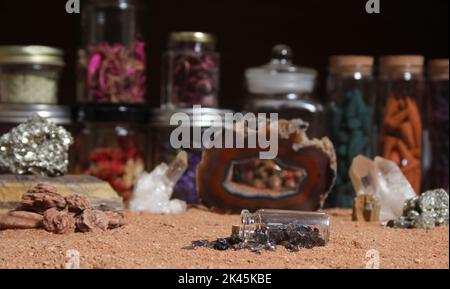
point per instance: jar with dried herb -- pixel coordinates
(30, 74)
(112, 145)
(351, 98)
(401, 127)
(113, 59)
(438, 121)
(190, 71)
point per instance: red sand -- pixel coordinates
(156, 241)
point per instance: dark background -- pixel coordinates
(246, 31)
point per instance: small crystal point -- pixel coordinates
(177, 167)
(384, 180)
(153, 190)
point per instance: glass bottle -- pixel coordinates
(190, 71)
(438, 121)
(402, 86)
(114, 57)
(273, 222)
(350, 111)
(30, 74)
(161, 150)
(112, 145)
(282, 87)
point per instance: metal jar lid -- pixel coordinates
(32, 54)
(19, 113)
(191, 37)
(161, 117)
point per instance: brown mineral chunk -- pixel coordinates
(58, 222)
(20, 220)
(92, 221)
(41, 198)
(366, 208)
(77, 203)
(115, 220)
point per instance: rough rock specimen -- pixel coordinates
(92, 221)
(153, 191)
(424, 212)
(58, 222)
(35, 147)
(115, 220)
(20, 220)
(309, 163)
(366, 208)
(100, 193)
(77, 203)
(383, 180)
(43, 206)
(41, 198)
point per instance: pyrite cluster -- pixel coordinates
(37, 146)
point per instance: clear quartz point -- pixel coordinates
(153, 191)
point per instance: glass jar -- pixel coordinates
(11, 115)
(190, 71)
(112, 145)
(114, 58)
(30, 74)
(438, 121)
(350, 111)
(282, 87)
(402, 87)
(162, 150)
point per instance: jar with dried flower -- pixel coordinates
(113, 59)
(112, 145)
(190, 71)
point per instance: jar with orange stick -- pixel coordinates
(402, 86)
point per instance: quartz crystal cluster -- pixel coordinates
(153, 191)
(424, 212)
(37, 147)
(383, 180)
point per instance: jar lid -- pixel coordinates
(280, 76)
(191, 37)
(161, 117)
(112, 113)
(32, 54)
(19, 113)
(351, 64)
(439, 68)
(399, 63)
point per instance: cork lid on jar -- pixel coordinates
(401, 64)
(350, 64)
(439, 69)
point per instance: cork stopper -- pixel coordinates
(439, 69)
(235, 231)
(343, 64)
(401, 64)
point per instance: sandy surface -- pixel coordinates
(156, 241)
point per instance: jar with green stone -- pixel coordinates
(350, 112)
